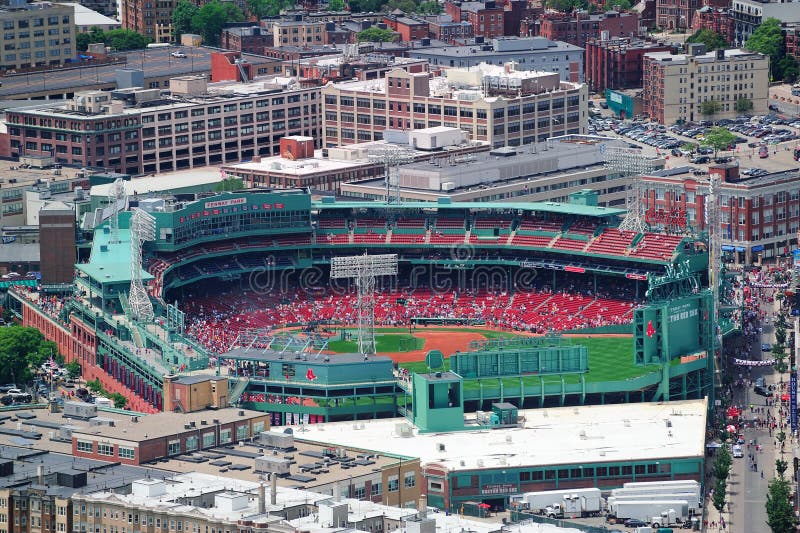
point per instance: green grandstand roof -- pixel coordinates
(110, 262)
(545, 207)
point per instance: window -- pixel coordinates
(242, 432)
(209, 440)
(105, 449)
(124, 452)
(377, 489)
(85, 446)
(410, 479)
(394, 483)
(173, 447)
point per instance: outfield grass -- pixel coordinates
(610, 359)
(383, 343)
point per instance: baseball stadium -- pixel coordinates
(317, 310)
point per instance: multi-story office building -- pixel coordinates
(36, 35)
(677, 87)
(495, 104)
(528, 53)
(298, 32)
(749, 14)
(152, 19)
(617, 63)
(142, 131)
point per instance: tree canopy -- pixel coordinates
(118, 39)
(710, 38)
(768, 40)
(780, 515)
(719, 138)
(182, 17)
(230, 184)
(376, 35)
(336, 5)
(617, 5)
(268, 8)
(21, 351)
(209, 20)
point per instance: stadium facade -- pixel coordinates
(280, 244)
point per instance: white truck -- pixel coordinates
(692, 499)
(647, 510)
(660, 485)
(572, 503)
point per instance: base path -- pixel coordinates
(448, 342)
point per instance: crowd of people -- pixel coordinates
(216, 321)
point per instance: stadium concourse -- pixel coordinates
(216, 320)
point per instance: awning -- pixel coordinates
(739, 249)
(759, 248)
(727, 248)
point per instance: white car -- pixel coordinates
(178, 54)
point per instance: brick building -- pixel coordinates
(486, 18)
(676, 86)
(408, 28)
(166, 434)
(142, 131)
(617, 63)
(579, 27)
(675, 14)
(759, 216)
(297, 32)
(250, 40)
(57, 243)
(443, 28)
(715, 19)
(534, 106)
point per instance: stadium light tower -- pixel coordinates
(364, 269)
(117, 205)
(629, 163)
(143, 228)
(391, 157)
(712, 208)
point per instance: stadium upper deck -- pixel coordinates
(231, 233)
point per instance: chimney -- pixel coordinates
(262, 506)
(273, 489)
(423, 506)
(40, 474)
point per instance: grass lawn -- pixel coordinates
(610, 359)
(383, 343)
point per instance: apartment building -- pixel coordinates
(759, 216)
(298, 32)
(617, 63)
(142, 131)
(749, 14)
(485, 17)
(716, 19)
(36, 35)
(579, 27)
(152, 18)
(675, 87)
(495, 104)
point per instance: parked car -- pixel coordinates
(180, 55)
(635, 522)
(701, 160)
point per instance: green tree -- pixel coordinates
(430, 7)
(710, 38)
(788, 69)
(709, 107)
(768, 40)
(94, 386)
(781, 466)
(182, 17)
(743, 105)
(406, 6)
(267, 8)
(376, 35)
(122, 39)
(722, 463)
(73, 369)
(718, 138)
(209, 20)
(119, 400)
(617, 5)
(718, 500)
(364, 6)
(19, 348)
(94, 35)
(230, 184)
(336, 5)
(780, 514)
(565, 6)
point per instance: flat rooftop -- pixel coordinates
(167, 181)
(568, 435)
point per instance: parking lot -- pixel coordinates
(763, 144)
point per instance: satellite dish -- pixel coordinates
(434, 359)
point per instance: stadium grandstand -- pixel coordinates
(230, 276)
